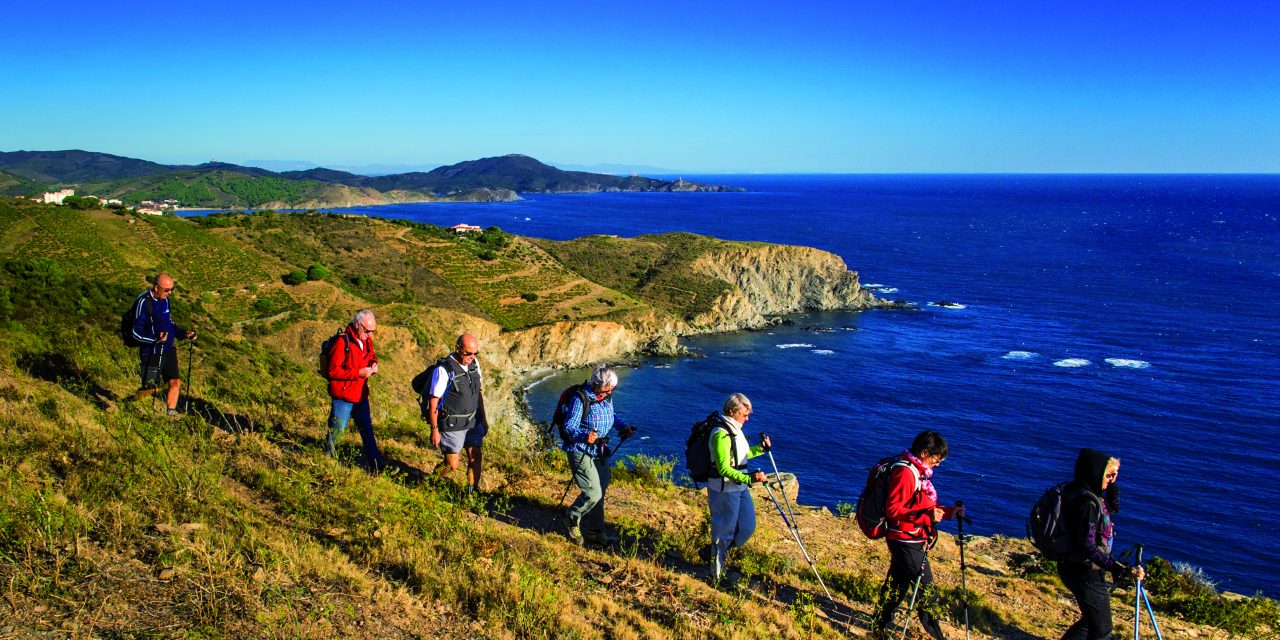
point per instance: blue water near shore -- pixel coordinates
(1133, 314)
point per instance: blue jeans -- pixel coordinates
(339, 413)
(733, 520)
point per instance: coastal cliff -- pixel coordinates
(775, 280)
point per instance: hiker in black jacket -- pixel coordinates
(156, 332)
(1088, 504)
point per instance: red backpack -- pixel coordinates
(870, 507)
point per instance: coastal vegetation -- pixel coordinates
(231, 522)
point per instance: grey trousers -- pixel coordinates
(592, 477)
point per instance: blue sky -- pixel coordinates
(696, 87)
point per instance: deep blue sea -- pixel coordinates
(1133, 314)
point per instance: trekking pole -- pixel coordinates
(928, 545)
(1140, 597)
(778, 475)
(910, 607)
(795, 533)
(964, 589)
(793, 524)
(191, 354)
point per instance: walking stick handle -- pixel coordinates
(1137, 562)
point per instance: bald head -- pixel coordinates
(466, 348)
(163, 286)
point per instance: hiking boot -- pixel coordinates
(707, 553)
(172, 413)
(603, 538)
(573, 532)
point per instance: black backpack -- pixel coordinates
(126, 324)
(697, 449)
(421, 385)
(870, 507)
(1047, 527)
(327, 346)
(561, 414)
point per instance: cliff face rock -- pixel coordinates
(666, 345)
(777, 279)
(572, 344)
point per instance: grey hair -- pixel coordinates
(604, 376)
(735, 403)
(364, 313)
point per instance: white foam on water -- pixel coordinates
(540, 381)
(872, 285)
(1072, 363)
(1019, 355)
(823, 352)
(1125, 362)
(949, 305)
(795, 345)
(527, 218)
(888, 289)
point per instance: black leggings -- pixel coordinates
(907, 561)
(1089, 586)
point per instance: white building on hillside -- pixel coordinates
(57, 197)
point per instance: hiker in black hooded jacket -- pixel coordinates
(1088, 505)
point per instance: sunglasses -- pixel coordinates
(470, 353)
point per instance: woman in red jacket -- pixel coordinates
(912, 513)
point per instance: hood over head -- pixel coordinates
(1090, 465)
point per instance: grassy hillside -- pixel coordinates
(11, 185)
(214, 189)
(230, 522)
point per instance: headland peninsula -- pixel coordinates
(220, 185)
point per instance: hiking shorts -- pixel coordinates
(158, 367)
(454, 441)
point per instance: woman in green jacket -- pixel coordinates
(733, 513)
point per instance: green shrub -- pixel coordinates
(317, 272)
(295, 277)
(529, 296)
(644, 470)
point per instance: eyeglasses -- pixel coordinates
(470, 353)
(1112, 475)
(166, 289)
(367, 329)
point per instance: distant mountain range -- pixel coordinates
(225, 185)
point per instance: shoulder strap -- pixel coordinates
(585, 398)
(914, 471)
(446, 363)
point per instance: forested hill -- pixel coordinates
(526, 175)
(225, 185)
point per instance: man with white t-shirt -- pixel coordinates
(456, 410)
